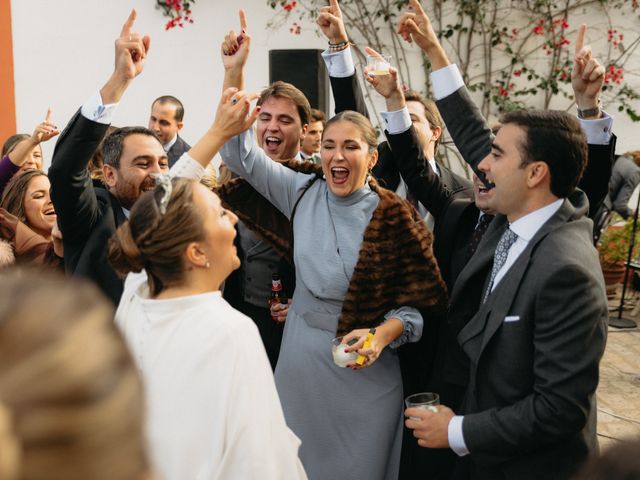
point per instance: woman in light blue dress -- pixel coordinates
(349, 419)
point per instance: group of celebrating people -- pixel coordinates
(488, 292)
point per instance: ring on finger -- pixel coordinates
(234, 100)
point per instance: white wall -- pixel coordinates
(63, 51)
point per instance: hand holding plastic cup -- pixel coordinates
(340, 357)
(378, 64)
(425, 400)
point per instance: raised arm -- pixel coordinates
(345, 86)
(71, 186)
(277, 183)
(467, 127)
(587, 78)
(43, 132)
(408, 156)
(235, 52)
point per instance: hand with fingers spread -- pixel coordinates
(386, 85)
(430, 428)
(331, 23)
(232, 116)
(587, 76)
(235, 47)
(415, 26)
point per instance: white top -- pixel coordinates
(212, 407)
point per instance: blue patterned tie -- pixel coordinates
(500, 257)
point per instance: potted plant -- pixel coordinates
(613, 249)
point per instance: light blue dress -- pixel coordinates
(350, 422)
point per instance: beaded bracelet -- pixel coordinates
(338, 46)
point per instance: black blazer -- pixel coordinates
(88, 215)
(176, 150)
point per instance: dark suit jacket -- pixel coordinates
(456, 217)
(529, 405)
(534, 347)
(87, 214)
(176, 150)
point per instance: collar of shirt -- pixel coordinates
(434, 167)
(527, 226)
(167, 146)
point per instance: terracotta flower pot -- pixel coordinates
(613, 276)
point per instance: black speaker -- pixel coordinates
(306, 70)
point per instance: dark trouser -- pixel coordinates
(270, 331)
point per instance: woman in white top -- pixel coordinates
(213, 410)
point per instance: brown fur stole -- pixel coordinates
(395, 266)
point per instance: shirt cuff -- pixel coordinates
(339, 64)
(598, 131)
(396, 122)
(456, 439)
(446, 81)
(187, 167)
(93, 109)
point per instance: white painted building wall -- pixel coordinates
(63, 52)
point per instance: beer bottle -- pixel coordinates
(276, 292)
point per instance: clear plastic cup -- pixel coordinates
(426, 400)
(378, 65)
(340, 357)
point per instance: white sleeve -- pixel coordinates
(396, 122)
(598, 131)
(446, 81)
(339, 64)
(187, 167)
(93, 109)
(456, 438)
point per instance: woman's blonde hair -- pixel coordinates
(71, 402)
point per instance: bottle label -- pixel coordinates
(276, 285)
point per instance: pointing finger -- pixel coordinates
(580, 40)
(47, 119)
(415, 5)
(128, 25)
(243, 19)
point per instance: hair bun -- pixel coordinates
(124, 254)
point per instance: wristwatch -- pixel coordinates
(590, 112)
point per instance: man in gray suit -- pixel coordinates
(625, 177)
(167, 114)
(529, 307)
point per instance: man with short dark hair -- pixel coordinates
(310, 144)
(88, 213)
(529, 308)
(167, 114)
